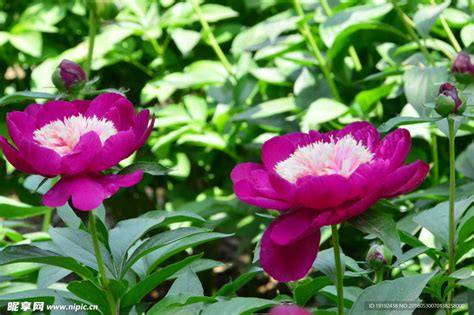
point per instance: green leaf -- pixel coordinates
(28, 42)
(426, 17)
(465, 162)
(185, 40)
(78, 245)
(237, 306)
(322, 110)
(48, 275)
(366, 99)
(152, 168)
(67, 214)
(403, 121)
(216, 12)
(88, 291)
(142, 288)
(231, 288)
(326, 264)
(338, 22)
(467, 35)
(267, 109)
(436, 219)
(381, 225)
(196, 107)
(421, 86)
(303, 292)
(406, 289)
(23, 96)
(28, 253)
(12, 209)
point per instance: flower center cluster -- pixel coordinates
(340, 157)
(63, 135)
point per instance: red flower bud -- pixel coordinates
(69, 76)
(378, 257)
(449, 101)
(463, 68)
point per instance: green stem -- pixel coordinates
(452, 192)
(339, 272)
(471, 6)
(379, 275)
(92, 33)
(47, 220)
(448, 31)
(411, 32)
(306, 32)
(434, 152)
(100, 264)
(211, 38)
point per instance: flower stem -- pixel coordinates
(47, 220)
(408, 26)
(448, 31)
(452, 192)
(92, 33)
(434, 152)
(306, 32)
(379, 276)
(211, 38)
(339, 272)
(100, 264)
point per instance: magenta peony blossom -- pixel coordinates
(77, 140)
(319, 179)
(288, 309)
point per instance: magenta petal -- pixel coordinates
(54, 110)
(243, 170)
(405, 179)
(340, 214)
(103, 103)
(246, 192)
(127, 115)
(290, 262)
(33, 110)
(13, 156)
(20, 126)
(45, 161)
(115, 149)
(87, 194)
(82, 155)
(280, 148)
(81, 105)
(291, 226)
(113, 183)
(142, 137)
(395, 147)
(58, 195)
(321, 192)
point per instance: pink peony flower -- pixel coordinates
(77, 140)
(288, 309)
(319, 179)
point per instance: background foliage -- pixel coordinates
(217, 98)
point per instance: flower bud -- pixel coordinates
(106, 10)
(69, 76)
(378, 257)
(463, 69)
(448, 101)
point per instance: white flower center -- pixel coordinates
(63, 135)
(341, 157)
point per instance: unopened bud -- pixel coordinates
(448, 101)
(463, 69)
(69, 76)
(378, 257)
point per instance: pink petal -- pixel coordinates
(395, 148)
(246, 192)
(13, 156)
(292, 226)
(45, 161)
(405, 179)
(54, 110)
(288, 309)
(242, 171)
(280, 148)
(291, 262)
(321, 192)
(103, 103)
(81, 105)
(115, 149)
(84, 152)
(20, 126)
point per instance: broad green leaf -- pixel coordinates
(307, 290)
(209, 139)
(29, 42)
(24, 95)
(216, 12)
(465, 162)
(48, 275)
(403, 121)
(368, 98)
(381, 225)
(196, 107)
(185, 40)
(28, 253)
(326, 264)
(67, 214)
(405, 289)
(187, 283)
(421, 86)
(142, 288)
(436, 219)
(237, 306)
(338, 22)
(152, 168)
(39, 184)
(78, 245)
(411, 253)
(267, 109)
(270, 75)
(467, 35)
(89, 291)
(28, 293)
(322, 110)
(426, 17)
(231, 288)
(11, 209)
